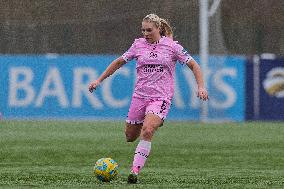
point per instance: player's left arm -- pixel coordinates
(202, 92)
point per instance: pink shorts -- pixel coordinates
(139, 107)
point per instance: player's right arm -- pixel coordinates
(115, 65)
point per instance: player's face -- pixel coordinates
(150, 31)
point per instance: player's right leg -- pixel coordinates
(135, 118)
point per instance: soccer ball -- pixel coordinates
(105, 169)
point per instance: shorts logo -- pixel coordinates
(164, 106)
(149, 68)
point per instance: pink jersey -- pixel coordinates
(155, 66)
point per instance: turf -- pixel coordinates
(61, 154)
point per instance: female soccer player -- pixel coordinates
(156, 55)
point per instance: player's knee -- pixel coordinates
(148, 132)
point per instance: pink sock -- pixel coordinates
(141, 154)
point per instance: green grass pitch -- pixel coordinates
(61, 154)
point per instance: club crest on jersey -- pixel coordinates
(153, 55)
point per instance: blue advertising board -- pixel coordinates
(56, 87)
(265, 89)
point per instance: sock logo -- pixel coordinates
(142, 154)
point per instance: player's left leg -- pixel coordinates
(151, 123)
(156, 112)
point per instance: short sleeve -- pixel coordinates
(181, 54)
(130, 53)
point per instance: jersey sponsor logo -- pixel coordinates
(149, 68)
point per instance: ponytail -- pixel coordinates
(166, 29)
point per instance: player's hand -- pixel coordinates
(202, 94)
(93, 86)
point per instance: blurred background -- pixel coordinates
(39, 38)
(243, 27)
(52, 129)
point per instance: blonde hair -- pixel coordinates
(166, 29)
